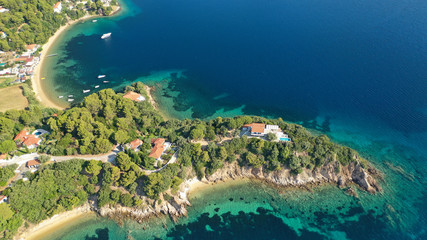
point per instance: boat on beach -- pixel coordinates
(60, 96)
(97, 86)
(101, 76)
(106, 35)
(86, 91)
(70, 99)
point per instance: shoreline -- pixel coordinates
(36, 81)
(46, 227)
(153, 102)
(190, 187)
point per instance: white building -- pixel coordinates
(2, 9)
(3, 199)
(261, 130)
(57, 7)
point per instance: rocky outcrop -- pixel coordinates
(175, 208)
(344, 176)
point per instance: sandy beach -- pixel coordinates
(46, 227)
(37, 78)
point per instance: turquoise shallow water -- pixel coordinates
(355, 70)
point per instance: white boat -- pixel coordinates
(97, 86)
(60, 96)
(70, 99)
(95, 20)
(86, 91)
(105, 81)
(101, 76)
(106, 35)
(70, 95)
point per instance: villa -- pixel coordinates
(3, 199)
(2, 9)
(57, 7)
(134, 96)
(135, 144)
(24, 138)
(35, 163)
(261, 130)
(158, 148)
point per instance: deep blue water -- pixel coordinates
(354, 69)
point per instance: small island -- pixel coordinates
(114, 154)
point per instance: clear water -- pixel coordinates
(356, 70)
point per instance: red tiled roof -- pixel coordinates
(256, 127)
(2, 197)
(56, 4)
(3, 156)
(156, 151)
(135, 143)
(132, 96)
(21, 135)
(31, 46)
(157, 141)
(34, 162)
(30, 140)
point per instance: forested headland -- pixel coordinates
(105, 119)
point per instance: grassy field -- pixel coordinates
(12, 98)
(4, 81)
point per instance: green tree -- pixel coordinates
(123, 161)
(93, 167)
(7, 146)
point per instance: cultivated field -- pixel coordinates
(12, 98)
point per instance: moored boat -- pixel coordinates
(105, 81)
(70, 99)
(101, 76)
(106, 35)
(60, 96)
(70, 96)
(86, 91)
(97, 86)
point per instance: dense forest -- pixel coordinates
(105, 119)
(34, 21)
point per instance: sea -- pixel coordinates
(355, 70)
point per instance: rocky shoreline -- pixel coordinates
(347, 177)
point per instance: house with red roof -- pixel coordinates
(135, 144)
(35, 163)
(3, 199)
(24, 138)
(57, 7)
(134, 96)
(158, 148)
(261, 130)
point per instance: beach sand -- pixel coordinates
(37, 78)
(46, 227)
(41, 95)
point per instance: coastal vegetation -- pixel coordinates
(107, 119)
(34, 22)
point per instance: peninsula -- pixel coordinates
(114, 154)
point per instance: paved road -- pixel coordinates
(108, 157)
